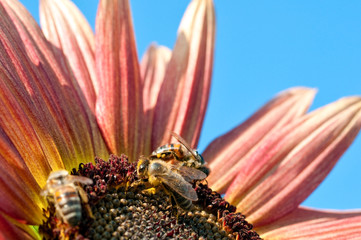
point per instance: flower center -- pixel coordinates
(133, 214)
(124, 208)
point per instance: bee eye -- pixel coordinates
(141, 168)
(200, 157)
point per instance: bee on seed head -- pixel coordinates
(60, 190)
(173, 178)
(180, 152)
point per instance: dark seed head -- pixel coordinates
(122, 210)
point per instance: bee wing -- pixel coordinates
(188, 173)
(179, 185)
(184, 143)
(79, 179)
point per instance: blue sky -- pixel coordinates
(262, 48)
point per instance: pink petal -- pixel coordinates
(182, 104)
(152, 70)
(289, 165)
(11, 231)
(72, 41)
(43, 115)
(227, 154)
(119, 106)
(305, 223)
(153, 66)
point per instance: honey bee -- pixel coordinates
(61, 191)
(173, 178)
(180, 152)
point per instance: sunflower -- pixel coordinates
(71, 98)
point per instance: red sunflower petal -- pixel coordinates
(184, 94)
(119, 107)
(305, 223)
(45, 116)
(288, 166)
(153, 66)
(72, 41)
(11, 231)
(226, 155)
(19, 191)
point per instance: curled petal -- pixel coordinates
(182, 104)
(152, 70)
(72, 42)
(227, 154)
(288, 166)
(119, 107)
(305, 223)
(40, 104)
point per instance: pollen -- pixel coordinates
(121, 209)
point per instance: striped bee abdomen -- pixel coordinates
(169, 151)
(67, 203)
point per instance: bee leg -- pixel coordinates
(140, 183)
(127, 186)
(174, 207)
(173, 202)
(135, 184)
(150, 191)
(84, 199)
(166, 155)
(59, 214)
(175, 156)
(154, 184)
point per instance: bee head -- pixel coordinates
(142, 167)
(57, 177)
(199, 156)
